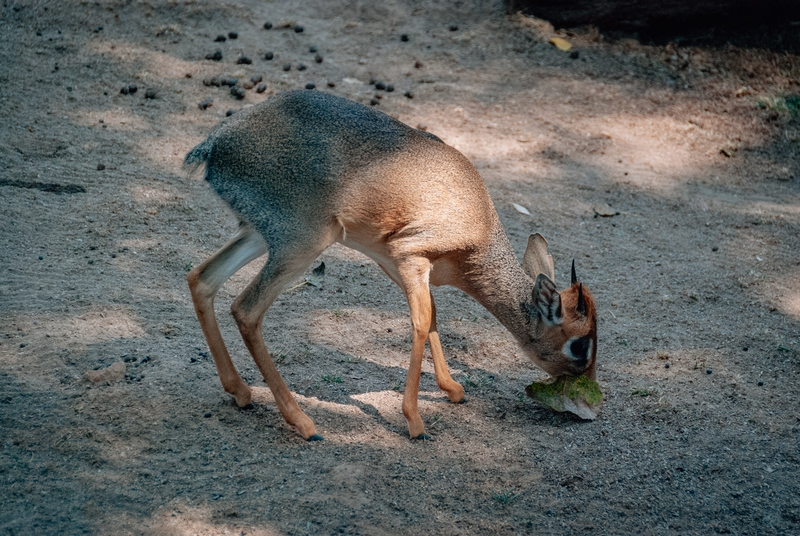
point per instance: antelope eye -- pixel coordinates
(579, 348)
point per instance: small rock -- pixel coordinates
(111, 374)
(233, 35)
(404, 38)
(267, 25)
(418, 64)
(150, 93)
(409, 94)
(220, 39)
(318, 58)
(238, 92)
(380, 85)
(243, 60)
(101, 166)
(301, 67)
(388, 330)
(261, 88)
(453, 27)
(287, 66)
(268, 56)
(331, 84)
(310, 85)
(215, 56)
(298, 29)
(230, 113)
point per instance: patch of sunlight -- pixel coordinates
(789, 302)
(155, 64)
(263, 395)
(154, 196)
(114, 118)
(105, 325)
(184, 520)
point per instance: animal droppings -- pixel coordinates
(380, 85)
(389, 88)
(453, 27)
(318, 58)
(404, 38)
(301, 67)
(101, 166)
(268, 56)
(238, 92)
(261, 88)
(150, 93)
(205, 104)
(230, 113)
(215, 56)
(244, 60)
(409, 94)
(256, 78)
(129, 90)
(298, 29)
(287, 66)
(310, 85)
(374, 102)
(233, 35)
(312, 49)
(220, 39)
(267, 25)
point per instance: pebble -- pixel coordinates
(267, 25)
(374, 102)
(389, 88)
(101, 166)
(708, 371)
(404, 38)
(238, 92)
(256, 78)
(129, 90)
(453, 27)
(301, 67)
(233, 35)
(287, 66)
(216, 55)
(268, 56)
(244, 60)
(409, 94)
(230, 113)
(205, 104)
(312, 49)
(318, 58)
(418, 64)
(150, 93)
(388, 330)
(310, 85)
(380, 85)
(298, 29)
(261, 88)
(331, 84)
(220, 39)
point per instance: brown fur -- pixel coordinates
(304, 170)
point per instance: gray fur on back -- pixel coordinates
(283, 161)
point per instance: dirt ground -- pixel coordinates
(697, 281)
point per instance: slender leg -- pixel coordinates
(454, 390)
(248, 310)
(414, 274)
(204, 282)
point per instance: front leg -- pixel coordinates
(454, 390)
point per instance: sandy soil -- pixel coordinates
(697, 149)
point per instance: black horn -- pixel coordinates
(574, 277)
(581, 308)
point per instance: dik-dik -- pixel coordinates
(305, 169)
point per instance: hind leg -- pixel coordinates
(204, 282)
(282, 268)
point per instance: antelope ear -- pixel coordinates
(536, 260)
(547, 300)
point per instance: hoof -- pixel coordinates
(462, 401)
(315, 437)
(423, 437)
(247, 406)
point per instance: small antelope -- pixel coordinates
(305, 169)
